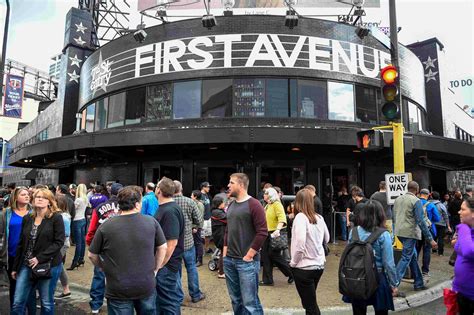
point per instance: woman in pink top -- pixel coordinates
(307, 252)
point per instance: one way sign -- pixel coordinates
(397, 185)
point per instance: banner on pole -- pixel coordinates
(13, 99)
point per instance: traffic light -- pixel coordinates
(370, 140)
(390, 83)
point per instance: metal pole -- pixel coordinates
(398, 130)
(4, 48)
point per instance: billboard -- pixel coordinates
(144, 5)
(13, 100)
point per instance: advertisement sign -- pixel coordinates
(13, 100)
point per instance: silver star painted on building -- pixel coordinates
(80, 28)
(79, 41)
(431, 76)
(75, 61)
(73, 76)
(429, 63)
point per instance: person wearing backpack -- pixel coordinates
(369, 256)
(443, 224)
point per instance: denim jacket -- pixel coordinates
(383, 252)
(5, 217)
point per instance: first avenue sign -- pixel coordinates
(236, 51)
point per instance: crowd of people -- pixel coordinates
(39, 224)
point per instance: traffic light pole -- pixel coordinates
(398, 130)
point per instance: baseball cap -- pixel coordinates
(469, 188)
(115, 188)
(424, 191)
(205, 184)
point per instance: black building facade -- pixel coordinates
(249, 95)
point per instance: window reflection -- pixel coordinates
(116, 115)
(312, 99)
(217, 98)
(366, 107)
(249, 98)
(101, 114)
(88, 118)
(341, 101)
(135, 109)
(158, 102)
(187, 100)
(276, 98)
(413, 119)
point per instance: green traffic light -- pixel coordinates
(390, 110)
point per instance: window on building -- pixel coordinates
(249, 98)
(42, 135)
(135, 108)
(217, 98)
(89, 118)
(187, 99)
(276, 98)
(413, 117)
(116, 115)
(293, 98)
(366, 104)
(341, 101)
(312, 99)
(102, 108)
(158, 102)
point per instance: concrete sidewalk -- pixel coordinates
(283, 298)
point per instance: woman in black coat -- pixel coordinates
(219, 223)
(41, 239)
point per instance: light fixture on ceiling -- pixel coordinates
(295, 149)
(140, 34)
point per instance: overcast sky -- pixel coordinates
(37, 29)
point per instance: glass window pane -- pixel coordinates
(90, 114)
(249, 98)
(312, 99)
(341, 101)
(135, 109)
(294, 97)
(414, 125)
(101, 113)
(158, 102)
(366, 107)
(116, 110)
(421, 116)
(217, 98)
(187, 100)
(276, 98)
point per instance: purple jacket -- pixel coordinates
(464, 267)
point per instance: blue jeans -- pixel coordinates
(145, 306)
(422, 244)
(79, 228)
(55, 273)
(24, 287)
(97, 291)
(409, 258)
(169, 294)
(343, 223)
(242, 284)
(189, 258)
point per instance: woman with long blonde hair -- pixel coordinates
(307, 253)
(79, 226)
(41, 240)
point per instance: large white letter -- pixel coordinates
(255, 55)
(205, 54)
(227, 40)
(141, 61)
(289, 61)
(314, 53)
(368, 73)
(172, 57)
(158, 58)
(338, 51)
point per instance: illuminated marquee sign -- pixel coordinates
(237, 51)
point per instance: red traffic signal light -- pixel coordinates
(389, 74)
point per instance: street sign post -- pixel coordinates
(397, 185)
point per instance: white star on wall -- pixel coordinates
(79, 41)
(429, 63)
(73, 76)
(80, 28)
(75, 61)
(431, 76)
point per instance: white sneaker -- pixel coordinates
(95, 311)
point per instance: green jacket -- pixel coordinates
(404, 217)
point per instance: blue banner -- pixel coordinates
(13, 100)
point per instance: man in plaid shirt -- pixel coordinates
(192, 218)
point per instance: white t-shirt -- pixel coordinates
(81, 205)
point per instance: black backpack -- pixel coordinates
(357, 270)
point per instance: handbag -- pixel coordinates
(41, 271)
(280, 242)
(450, 300)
